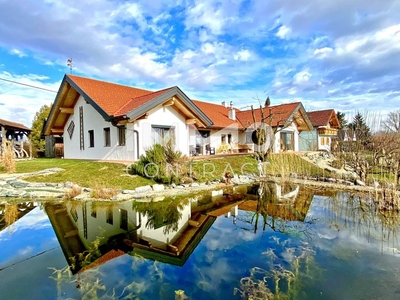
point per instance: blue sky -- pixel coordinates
(328, 54)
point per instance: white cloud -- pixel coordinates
(242, 55)
(302, 77)
(283, 32)
(17, 52)
(22, 102)
(323, 52)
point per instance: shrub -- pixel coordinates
(162, 163)
(73, 192)
(100, 192)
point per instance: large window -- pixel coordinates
(121, 135)
(107, 137)
(91, 138)
(287, 141)
(163, 135)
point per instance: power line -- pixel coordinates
(28, 85)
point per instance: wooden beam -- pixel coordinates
(190, 121)
(169, 102)
(67, 110)
(57, 130)
(123, 122)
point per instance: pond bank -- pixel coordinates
(14, 186)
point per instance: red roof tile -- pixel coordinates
(280, 114)
(15, 125)
(109, 96)
(321, 117)
(138, 101)
(216, 112)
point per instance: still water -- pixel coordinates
(262, 242)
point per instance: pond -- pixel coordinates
(264, 241)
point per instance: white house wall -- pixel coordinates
(157, 236)
(92, 120)
(97, 227)
(291, 128)
(163, 116)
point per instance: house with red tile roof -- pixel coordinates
(108, 121)
(326, 126)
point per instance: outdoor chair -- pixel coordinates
(210, 150)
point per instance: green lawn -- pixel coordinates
(113, 175)
(85, 173)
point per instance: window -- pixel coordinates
(91, 138)
(249, 137)
(223, 138)
(163, 135)
(121, 135)
(327, 141)
(107, 137)
(70, 129)
(124, 219)
(322, 141)
(287, 141)
(109, 215)
(229, 138)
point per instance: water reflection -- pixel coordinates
(10, 213)
(261, 240)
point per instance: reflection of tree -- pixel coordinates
(166, 213)
(359, 213)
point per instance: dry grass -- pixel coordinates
(73, 192)
(101, 192)
(7, 159)
(10, 214)
(285, 164)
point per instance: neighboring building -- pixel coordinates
(107, 121)
(326, 126)
(15, 133)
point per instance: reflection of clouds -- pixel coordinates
(220, 228)
(212, 276)
(34, 220)
(342, 226)
(25, 251)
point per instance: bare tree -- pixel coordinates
(392, 122)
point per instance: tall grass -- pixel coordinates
(7, 158)
(285, 164)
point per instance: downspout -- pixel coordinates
(137, 142)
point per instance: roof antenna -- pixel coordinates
(70, 64)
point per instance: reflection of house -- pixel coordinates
(101, 120)
(326, 125)
(14, 132)
(287, 202)
(165, 231)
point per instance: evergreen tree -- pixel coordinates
(361, 129)
(341, 119)
(37, 124)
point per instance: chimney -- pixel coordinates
(223, 103)
(232, 112)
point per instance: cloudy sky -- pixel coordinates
(328, 54)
